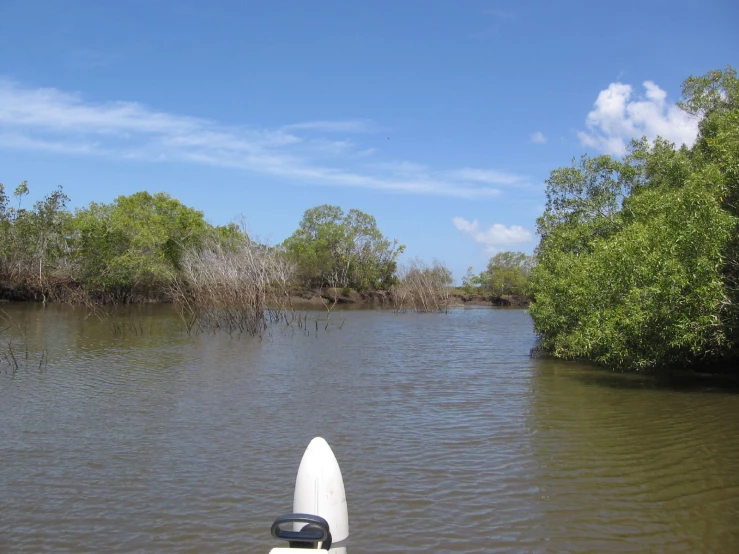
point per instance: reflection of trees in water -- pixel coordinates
(57, 335)
(621, 461)
(15, 353)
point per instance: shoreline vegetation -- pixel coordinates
(147, 248)
(637, 268)
(313, 298)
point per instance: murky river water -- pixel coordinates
(134, 437)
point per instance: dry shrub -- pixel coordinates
(239, 288)
(422, 288)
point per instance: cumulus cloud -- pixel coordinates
(620, 116)
(50, 120)
(538, 137)
(496, 236)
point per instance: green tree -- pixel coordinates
(470, 281)
(715, 98)
(50, 227)
(16, 249)
(342, 250)
(639, 271)
(21, 191)
(33, 241)
(584, 200)
(5, 232)
(135, 242)
(507, 273)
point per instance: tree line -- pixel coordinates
(638, 262)
(151, 247)
(122, 251)
(507, 274)
(134, 247)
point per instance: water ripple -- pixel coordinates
(449, 436)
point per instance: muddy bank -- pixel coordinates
(381, 299)
(328, 297)
(505, 301)
(309, 298)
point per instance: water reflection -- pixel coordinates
(625, 462)
(140, 437)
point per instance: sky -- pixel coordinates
(442, 119)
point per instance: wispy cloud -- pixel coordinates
(21, 142)
(402, 168)
(50, 120)
(538, 137)
(617, 118)
(337, 126)
(88, 59)
(498, 13)
(494, 20)
(495, 237)
(487, 176)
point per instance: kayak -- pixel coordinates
(320, 518)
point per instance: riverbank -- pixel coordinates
(331, 296)
(309, 297)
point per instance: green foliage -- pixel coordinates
(342, 250)
(470, 281)
(588, 194)
(134, 247)
(637, 264)
(715, 93)
(228, 236)
(507, 273)
(34, 242)
(21, 191)
(136, 241)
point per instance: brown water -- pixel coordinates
(139, 438)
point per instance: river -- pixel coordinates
(128, 435)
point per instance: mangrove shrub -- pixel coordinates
(637, 263)
(331, 248)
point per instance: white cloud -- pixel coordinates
(50, 120)
(496, 236)
(617, 118)
(538, 137)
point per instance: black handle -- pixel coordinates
(316, 532)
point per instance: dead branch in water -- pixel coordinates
(241, 288)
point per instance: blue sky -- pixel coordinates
(440, 118)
